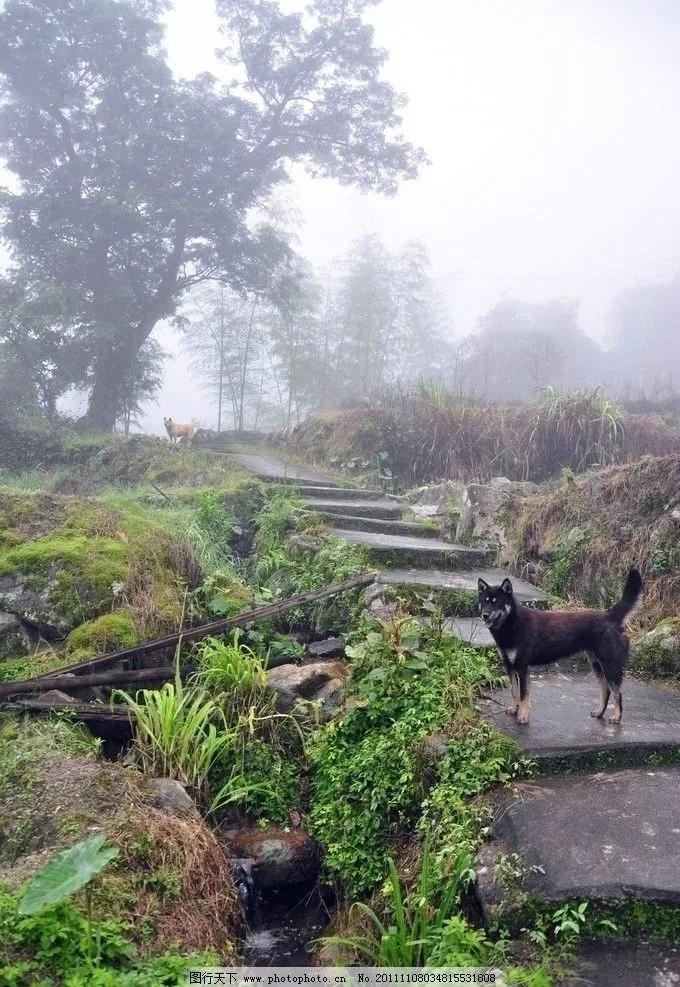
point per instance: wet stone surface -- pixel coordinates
(560, 724)
(602, 837)
(272, 468)
(414, 551)
(359, 506)
(465, 580)
(634, 964)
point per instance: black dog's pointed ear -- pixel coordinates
(482, 585)
(506, 586)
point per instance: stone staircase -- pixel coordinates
(601, 822)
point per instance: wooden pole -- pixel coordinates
(117, 713)
(68, 682)
(216, 627)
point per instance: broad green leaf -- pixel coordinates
(66, 873)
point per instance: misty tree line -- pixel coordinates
(342, 334)
(520, 347)
(135, 198)
(376, 322)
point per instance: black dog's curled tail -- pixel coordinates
(632, 592)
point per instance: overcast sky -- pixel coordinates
(552, 126)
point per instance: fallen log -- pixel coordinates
(112, 723)
(80, 710)
(204, 630)
(67, 681)
(76, 682)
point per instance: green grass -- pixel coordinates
(179, 732)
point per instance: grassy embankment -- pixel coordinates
(437, 436)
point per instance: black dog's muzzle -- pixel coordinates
(493, 618)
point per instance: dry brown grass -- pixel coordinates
(590, 529)
(184, 888)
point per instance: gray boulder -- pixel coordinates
(437, 499)
(28, 599)
(331, 647)
(170, 796)
(54, 697)
(14, 638)
(481, 504)
(321, 681)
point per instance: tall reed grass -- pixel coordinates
(415, 927)
(433, 434)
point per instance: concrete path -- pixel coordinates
(358, 506)
(624, 964)
(342, 493)
(280, 471)
(434, 580)
(422, 552)
(384, 526)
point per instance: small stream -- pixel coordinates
(283, 924)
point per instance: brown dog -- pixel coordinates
(179, 431)
(526, 637)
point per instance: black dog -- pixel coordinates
(527, 637)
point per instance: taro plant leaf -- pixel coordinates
(66, 873)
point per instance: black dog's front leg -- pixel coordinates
(522, 672)
(511, 710)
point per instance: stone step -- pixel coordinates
(600, 838)
(625, 964)
(279, 471)
(358, 507)
(470, 630)
(561, 733)
(383, 526)
(313, 491)
(463, 581)
(421, 552)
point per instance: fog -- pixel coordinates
(551, 126)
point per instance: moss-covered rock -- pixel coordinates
(68, 561)
(109, 632)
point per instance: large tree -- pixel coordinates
(130, 187)
(520, 347)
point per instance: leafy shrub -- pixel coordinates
(282, 570)
(56, 947)
(366, 779)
